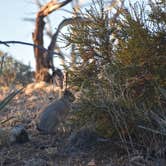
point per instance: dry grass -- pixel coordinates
(48, 150)
(42, 149)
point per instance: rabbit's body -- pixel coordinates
(55, 113)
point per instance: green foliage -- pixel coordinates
(93, 45)
(141, 54)
(120, 69)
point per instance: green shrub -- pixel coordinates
(121, 82)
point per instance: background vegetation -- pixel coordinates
(13, 72)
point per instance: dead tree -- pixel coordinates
(44, 59)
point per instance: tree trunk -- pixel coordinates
(44, 59)
(42, 67)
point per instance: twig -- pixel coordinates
(12, 117)
(6, 43)
(1, 42)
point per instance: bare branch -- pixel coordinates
(38, 3)
(6, 120)
(29, 19)
(48, 27)
(29, 44)
(65, 22)
(43, 59)
(1, 42)
(52, 6)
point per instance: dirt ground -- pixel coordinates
(41, 149)
(56, 149)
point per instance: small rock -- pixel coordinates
(18, 134)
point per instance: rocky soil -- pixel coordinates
(64, 148)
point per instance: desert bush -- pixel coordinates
(120, 69)
(13, 71)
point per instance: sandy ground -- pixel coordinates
(50, 150)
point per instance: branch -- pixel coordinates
(38, 3)
(1, 42)
(6, 43)
(48, 28)
(52, 6)
(65, 22)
